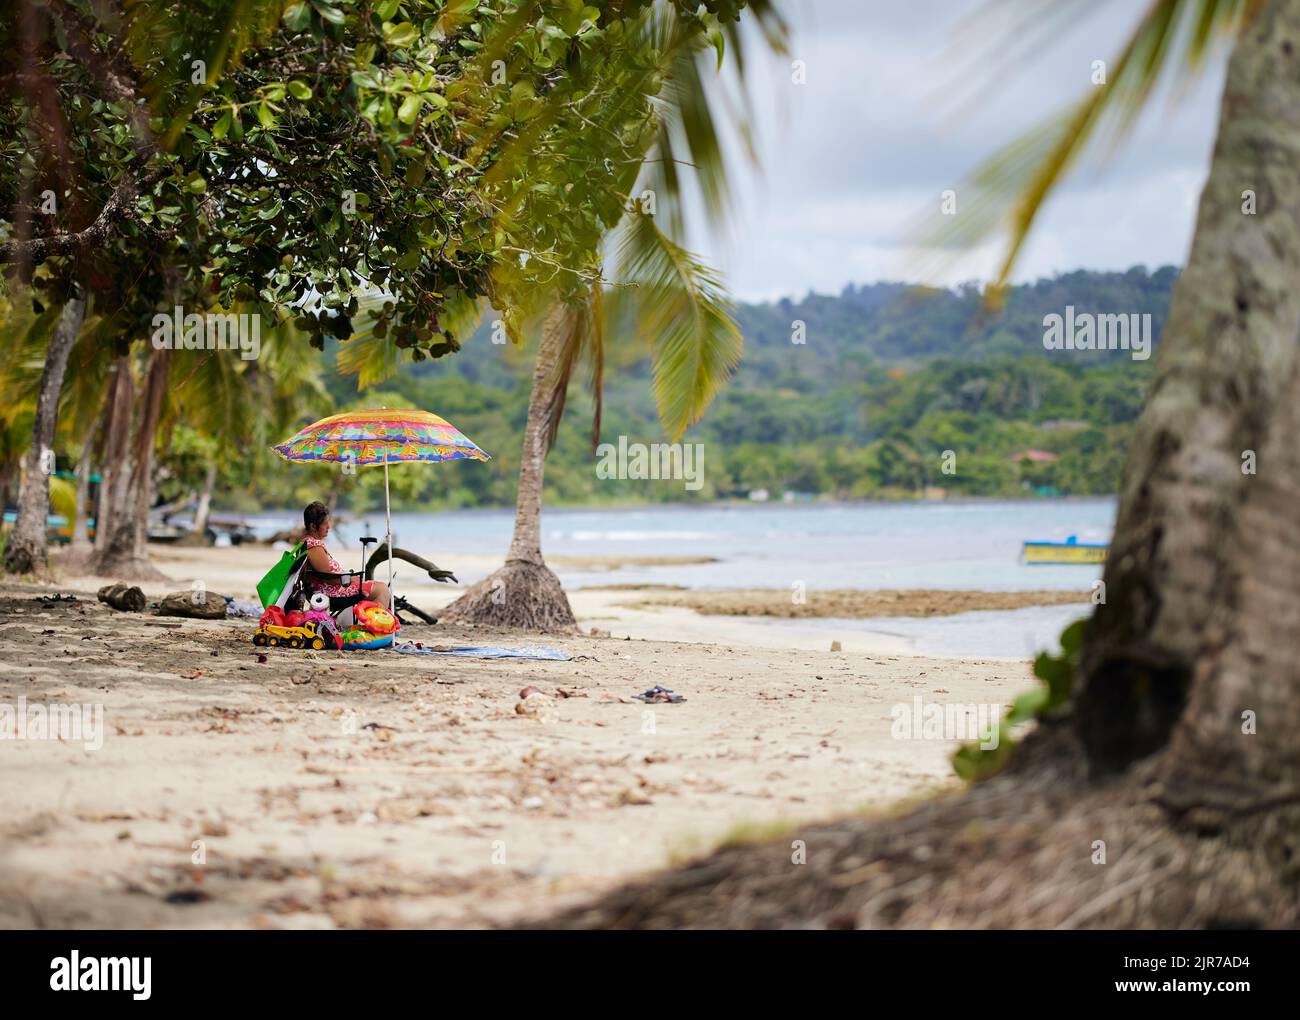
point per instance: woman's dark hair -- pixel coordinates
(315, 515)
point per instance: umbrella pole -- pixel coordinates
(388, 514)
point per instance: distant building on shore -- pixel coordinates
(1036, 456)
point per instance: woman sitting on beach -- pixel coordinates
(316, 522)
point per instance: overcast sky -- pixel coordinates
(899, 106)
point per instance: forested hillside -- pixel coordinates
(887, 378)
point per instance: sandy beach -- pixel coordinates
(376, 789)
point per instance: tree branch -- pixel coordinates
(116, 209)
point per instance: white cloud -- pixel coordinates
(904, 100)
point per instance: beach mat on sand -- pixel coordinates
(485, 651)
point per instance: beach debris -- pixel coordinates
(657, 694)
(185, 897)
(247, 608)
(533, 802)
(835, 647)
(123, 597)
(195, 605)
(57, 597)
(531, 700)
(165, 624)
(597, 632)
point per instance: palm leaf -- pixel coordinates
(682, 309)
(63, 498)
(1010, 189)
(584, 341)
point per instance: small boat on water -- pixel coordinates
(1069, 551)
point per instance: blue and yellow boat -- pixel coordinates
(1069, 551)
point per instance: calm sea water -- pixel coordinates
(953, 545)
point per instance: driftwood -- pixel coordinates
(127, 598)
(197, 605)
(381, 554)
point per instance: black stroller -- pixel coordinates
(304, 581)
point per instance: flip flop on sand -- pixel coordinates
(657, 694)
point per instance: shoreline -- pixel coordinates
(756, 618)
(345, 515)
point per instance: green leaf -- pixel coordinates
(1028, 706)
(222, 126)
(399, 36)
(297, 17)
(271, 211)
(264, 116)
(330, 14)
(195, 184)
(387, 9)
(300, 90)
(684, 310)
(409, 110)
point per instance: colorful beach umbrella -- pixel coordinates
(384, 436)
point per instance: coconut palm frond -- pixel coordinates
(371, 358)
(683, 311)
(583, 343)
(63, 498)
(84, 384)
(1008, 192)
(687, 136)
(460, 315)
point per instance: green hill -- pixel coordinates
(888, 378)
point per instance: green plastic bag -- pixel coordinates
(271, 587)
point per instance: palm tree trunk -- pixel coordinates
(525, 592)
(115, 465)
(1203, 575)
(121, 545)
(79, 548)
(25, 551)
(204, 509)
(527, 542)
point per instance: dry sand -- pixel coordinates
(373, 789)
